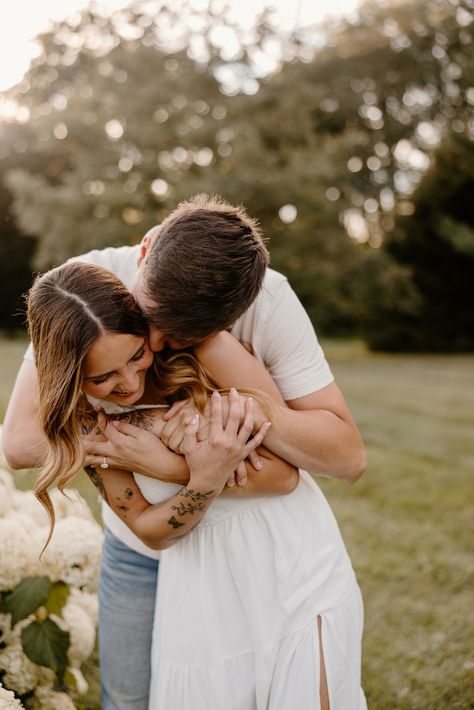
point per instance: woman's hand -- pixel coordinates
(129, 447)
(212, 462)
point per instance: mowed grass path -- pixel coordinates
(408, 523)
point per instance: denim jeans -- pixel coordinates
(127, 594)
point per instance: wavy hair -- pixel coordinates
(68, 309)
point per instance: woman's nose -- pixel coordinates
(131, 379)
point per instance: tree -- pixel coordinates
(130, 114)
(436, 243)
(16, 247)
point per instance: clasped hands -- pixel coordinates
(132, 448)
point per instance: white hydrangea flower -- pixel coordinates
(26, 502)
(74, 553)
(70, 503)
(21, 675)
(14, 637)
(81, 629)
(88, 601)
(17, 558)
(46, 698)
(8, 700)
(18, 519)
(6, 478)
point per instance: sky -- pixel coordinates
(22, 20)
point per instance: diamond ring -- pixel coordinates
(104, 463)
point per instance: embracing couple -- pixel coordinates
(190, 363)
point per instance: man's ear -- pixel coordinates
(143, 250)
(145, 245)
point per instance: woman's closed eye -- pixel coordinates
(139, 355)
(102, 380)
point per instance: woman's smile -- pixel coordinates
(116, 367)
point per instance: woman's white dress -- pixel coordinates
(237, 606)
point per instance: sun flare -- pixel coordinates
(22, 20)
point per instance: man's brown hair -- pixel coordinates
(204, 268)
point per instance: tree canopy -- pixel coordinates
(123, 116)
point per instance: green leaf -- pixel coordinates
(3, 607)
(57, 597)
(28, 595)
(70, 680)
(46, 644)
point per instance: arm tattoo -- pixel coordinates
(190, 508)
(143, 418)
(175, 523)
(96, 479)
(195, 495)
(88, 423)
(198, 504)
(180, 535)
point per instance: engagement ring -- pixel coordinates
(104, 463)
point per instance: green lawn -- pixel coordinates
(408, 523)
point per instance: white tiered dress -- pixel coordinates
(237, 606)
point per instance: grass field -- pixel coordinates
(408, 523)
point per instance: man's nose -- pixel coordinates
(156, 339)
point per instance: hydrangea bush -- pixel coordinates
(48, 608)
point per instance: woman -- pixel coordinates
(259, 604)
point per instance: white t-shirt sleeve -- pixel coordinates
(289, 346)
(29, 353)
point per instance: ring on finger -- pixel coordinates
(104, 463)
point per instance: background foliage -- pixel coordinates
(351, 142)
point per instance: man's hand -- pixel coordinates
(172, 434)
(211, 461)
(176, 419)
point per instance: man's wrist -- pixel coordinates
(262, 414)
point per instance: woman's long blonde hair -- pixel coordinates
(69, 308)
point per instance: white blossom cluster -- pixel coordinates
(73, 557)
(8, 700)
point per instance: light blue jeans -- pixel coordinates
(127, 594)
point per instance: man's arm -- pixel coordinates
(24, 443)
(315, 432)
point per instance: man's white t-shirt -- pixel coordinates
(276, 328)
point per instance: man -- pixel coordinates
(203, 270)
